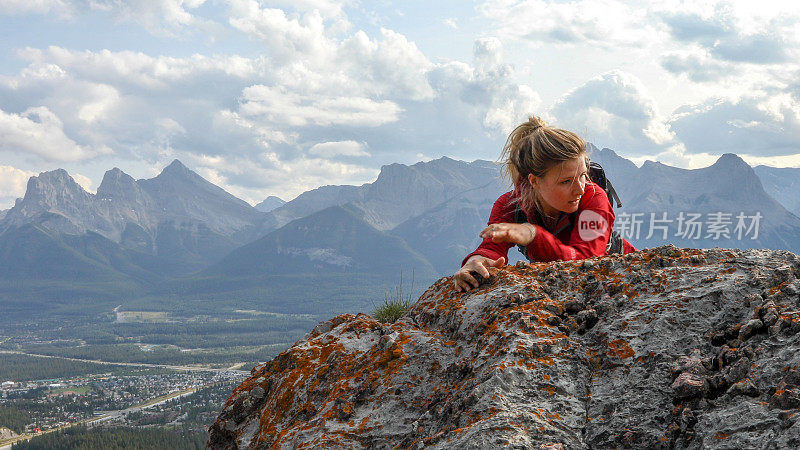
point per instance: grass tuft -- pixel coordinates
(391, 310)
(395, 303)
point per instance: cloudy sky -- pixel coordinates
(275, 97)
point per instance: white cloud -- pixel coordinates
(253, 179)
(84, 182)
(737, 31)
(614, 110)
(765, 125)
(314, 52)
(677, 157)
(136, 69)
(326, 8)
(600, 23)
(40, 132)
(21, 7)
(132, 102)
(450, 23)
(164, 18)
(698, 66)
(353, 94)
(286, 36)
(488, 54)
(302, 174)
(511, 107)
(151, 12)
(277, 105)
(686, 160)
(98, 103)
(341, 148)
(236, 128)
(486, 91)
(392, 66)
(773, 161)
(13, 182)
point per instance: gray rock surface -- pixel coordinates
(658, 349)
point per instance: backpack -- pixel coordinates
(598, 177)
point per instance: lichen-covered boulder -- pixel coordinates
(663, 348)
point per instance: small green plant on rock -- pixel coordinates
(390, 311)
(395, 303)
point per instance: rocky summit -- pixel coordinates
(664, 348)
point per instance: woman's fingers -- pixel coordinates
(462, 286)
(506, 232)
(465, 281)
(494, 231)
(499, 262)
(473, 283)
(487, 232)
(482, 270)
(466, 278)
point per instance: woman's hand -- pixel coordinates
(516, 233)
(480, 264)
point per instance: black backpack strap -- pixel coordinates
(521, 217)
(598, 176)
(613, 194)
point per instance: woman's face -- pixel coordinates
(561, 188)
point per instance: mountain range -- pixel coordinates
(178, 233)
(725, 195)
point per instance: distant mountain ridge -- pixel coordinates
(725, 190)
(422, 218)
(399, 193)
(177, 215)
(176, 194)
(334, 240)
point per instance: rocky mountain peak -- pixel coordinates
(663, 348)
(117, 184)
(176, 195)
(176, 172)
(176, 167)
(443, 162)
(658, 166)
(391, 170)
(52, 186)
(730, 161)
(270, 203)
(606, 152)
(52, 199)
(732, 173)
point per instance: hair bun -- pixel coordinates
(536, 122)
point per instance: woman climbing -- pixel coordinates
(555, 212)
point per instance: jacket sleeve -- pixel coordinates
(502, 211)
(589, 236)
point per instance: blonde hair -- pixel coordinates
(534, 148)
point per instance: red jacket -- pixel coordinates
(595, 219)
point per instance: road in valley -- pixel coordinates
(234, 368)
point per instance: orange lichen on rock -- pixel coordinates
(620, 348)
(539, 353)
